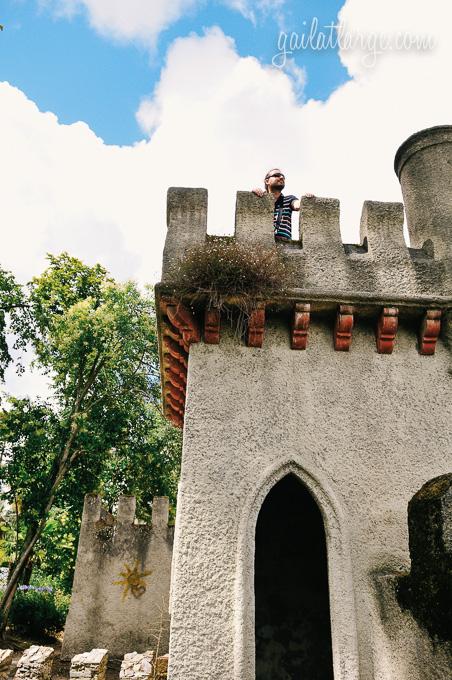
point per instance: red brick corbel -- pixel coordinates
(175, 379)
(175, 350)
(212, 326)
(430, 329)
(182, 318)
(176, 366)
(388, 323)
(256, 325)
(174, 416)
(179, 330)
(343, 328)
(174, 404)
(300, 326)
(175, 393)
(175, 335)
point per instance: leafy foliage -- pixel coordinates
(150, 468)
(36, 613)
(29, 430)
(101, 427)
(11, 303)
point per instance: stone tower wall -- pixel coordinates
(361, 415)
(363, 431)
(121, 582)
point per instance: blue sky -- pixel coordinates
(66, 67)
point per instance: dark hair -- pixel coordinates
(267, 176)
(271, 170)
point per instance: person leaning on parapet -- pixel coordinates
(275, 182)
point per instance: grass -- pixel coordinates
(228, 274)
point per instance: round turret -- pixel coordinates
(423, 165)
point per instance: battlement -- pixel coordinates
(381, 266)
(94, 513)
(380, 278)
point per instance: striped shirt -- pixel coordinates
(282, 220)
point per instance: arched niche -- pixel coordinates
(292, 610)
(341, 597)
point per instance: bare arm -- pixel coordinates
(296, 202)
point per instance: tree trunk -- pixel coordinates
(34, 534)
(13, 581)
(28, 569)
(61, 468)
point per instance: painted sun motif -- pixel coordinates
(132, 581)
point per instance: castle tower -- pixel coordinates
(304, 443)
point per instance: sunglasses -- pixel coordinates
(276, 174)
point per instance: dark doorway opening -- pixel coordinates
(293, 630)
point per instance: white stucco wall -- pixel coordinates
(362, 430)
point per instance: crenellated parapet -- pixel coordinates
(381, 279)
(381, 266)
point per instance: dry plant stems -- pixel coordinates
(160, 631)
(231, 276)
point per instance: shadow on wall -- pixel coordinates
(427, 591)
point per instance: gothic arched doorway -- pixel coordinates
(293, 629)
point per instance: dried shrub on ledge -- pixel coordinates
(226, 273)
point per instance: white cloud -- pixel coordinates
(244, 7)
(298, 75)
(220, 121)
(126, 20)
(254, 9)
(393, 30)
(63, 188)
(143, 20)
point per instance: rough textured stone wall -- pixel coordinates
(89, 665)
(35, 664)
(122, 580)
(362, 416)
(6, 656)
(363, 431)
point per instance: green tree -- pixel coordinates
(12, 307)
(145, 467)
(95, 340)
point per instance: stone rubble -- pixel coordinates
(137, 666)
(35, 664)
(6, 656)
(162, 667)
(90, 665)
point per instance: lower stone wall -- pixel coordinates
(122, 581)
(36, 663)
